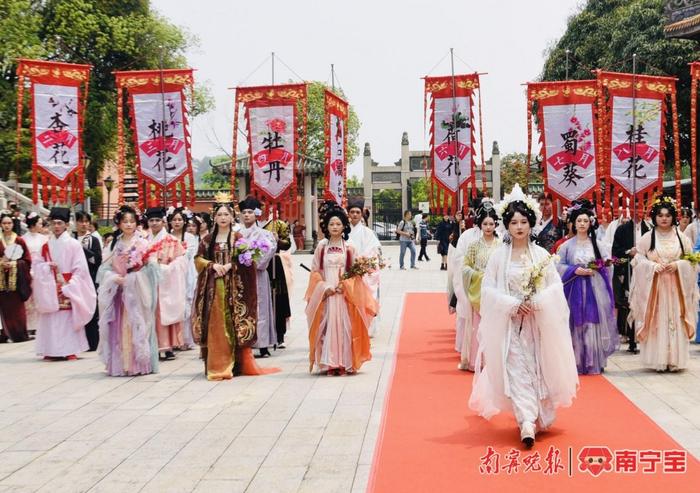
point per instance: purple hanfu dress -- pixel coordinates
(590, 298)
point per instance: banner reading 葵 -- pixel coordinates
(567, 124)
(158, 112)
(451, 137)
(58, 94)
(336, 124)
(276, 132)
(633, 109)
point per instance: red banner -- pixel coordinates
(694, 77)
(451, 138)
(335, 130)
(568, 128)
(58, 100)
(158, 111)
(632, 109)
(276, 134)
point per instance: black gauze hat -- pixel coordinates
(356, 203)
(249, 203)
(156, 213)
(60, 213)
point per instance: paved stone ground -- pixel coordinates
(67, 427)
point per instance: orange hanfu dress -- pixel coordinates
(338, 325)
(224, 313)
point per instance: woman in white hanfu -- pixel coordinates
(35, 240)
(473, 265)
(664, 292)
(524, 341)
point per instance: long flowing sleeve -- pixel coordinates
(80, 289)
(557, 358)
(270, 254)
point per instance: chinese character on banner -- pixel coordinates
(567, 125)
(635, 147)
(161, 136)
(452, 137)
(58, 92)
(634, 120)
(336, 122)
(276, 134)
(272, 148)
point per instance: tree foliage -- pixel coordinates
(514, 170)
(110, 35)
(354, 182)
(316, 138)
(606, 33)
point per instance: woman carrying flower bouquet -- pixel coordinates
(524, 340)
(664, 292)
(339, 307)
(585, 267)
(225, 305)
(128, 279)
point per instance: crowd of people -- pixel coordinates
(540, 299)
(169, 280)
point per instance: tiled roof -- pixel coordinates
(685, 26)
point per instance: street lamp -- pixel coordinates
(109, 184)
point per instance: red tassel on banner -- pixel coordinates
(442, 87)
(579, 97)
(334, 106)
(253, 98)
(481, 148)
(676, 146)
(121, 158)
(164, 189)
(529, 143)
(612, 84)
(695, 75)
(61, 74)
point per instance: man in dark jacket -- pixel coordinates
(623, 247)
(547, 228)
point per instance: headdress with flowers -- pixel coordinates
(516, 195)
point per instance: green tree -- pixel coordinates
(315, 147)
(514, 170)
(110, 35)
(606, 33)
(419, 191)
(354, 182)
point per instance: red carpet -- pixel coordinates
(431, 441)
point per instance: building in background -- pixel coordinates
(682, 19)
(388, 189)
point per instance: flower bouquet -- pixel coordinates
(693, 258)
(599, 264)
(130, 260)
(362, 266)
(246, 251)
(534, 276)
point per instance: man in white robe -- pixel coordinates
(64, 293)
(172, 292)
(366, 244)
(267, 335)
